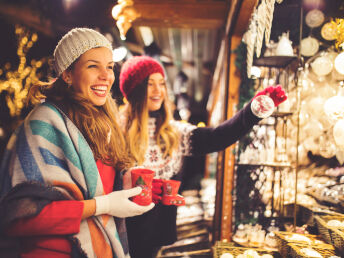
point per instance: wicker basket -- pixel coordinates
(324, 229)
(185, 247)
(206, 253)
(337, 236)
(295, 251)
(223, 247)
(283, 241)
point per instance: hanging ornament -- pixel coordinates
(339, 63)
(270, 6)
(314, 18)
(309, 46)
(334, 107)
(261, 14)
(250, 39)
(328, 31)
(322, 65)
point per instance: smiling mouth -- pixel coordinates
(99, 90)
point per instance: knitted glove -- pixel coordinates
(117, 204)
(157, 190)
(276, 93)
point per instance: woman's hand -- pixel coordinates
(118, 204)
(276, 93)
(157, 190)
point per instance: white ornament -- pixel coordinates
(322, 65)
(284, 46)
(309, 46)
(314, 18)
(334, 108)
(262, 106)
(339, 63)
(260, 27)
(250, 39)
(270, 6)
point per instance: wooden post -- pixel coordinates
(229, 157)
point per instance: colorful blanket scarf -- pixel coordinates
(48, 151)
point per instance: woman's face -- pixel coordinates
(156, 91)
(93, 75)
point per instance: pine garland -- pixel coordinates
(246, 90)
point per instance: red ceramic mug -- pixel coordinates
(170, 194)
(142, 177)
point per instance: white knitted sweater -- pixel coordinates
(166, 168)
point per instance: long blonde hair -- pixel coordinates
(136, 125)
(97, 124)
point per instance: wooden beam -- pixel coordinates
(245, 13)
(26, 16)
(181, 14)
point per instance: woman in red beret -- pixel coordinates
(159, 142)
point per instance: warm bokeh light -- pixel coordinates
(18, 80)
(119, 53)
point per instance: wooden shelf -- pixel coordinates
(281, 114)
(274, 61)
(270, 164)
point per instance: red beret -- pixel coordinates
(135, 70)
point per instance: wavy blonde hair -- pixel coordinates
(136, 116)
(94, 122)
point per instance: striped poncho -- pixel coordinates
(48, 151)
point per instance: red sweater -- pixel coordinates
(58, 219)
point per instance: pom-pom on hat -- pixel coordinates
(135, 70)
(73, 44)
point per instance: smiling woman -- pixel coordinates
(92, 76)
(60, 195)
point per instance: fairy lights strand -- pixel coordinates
(18, 81)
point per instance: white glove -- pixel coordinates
(117, 204)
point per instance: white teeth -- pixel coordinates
(104, 88)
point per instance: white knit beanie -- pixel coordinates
(76, 42)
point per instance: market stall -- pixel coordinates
(287, 190)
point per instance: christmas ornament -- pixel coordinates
(309, 46)
(314, 18)
(262, 106)
(322, 65)
(270, 6)
(339, 63)
(261, 14)
(328, 31)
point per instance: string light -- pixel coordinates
(18, 81)
(124, 13)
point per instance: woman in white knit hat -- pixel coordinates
(61, 186)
